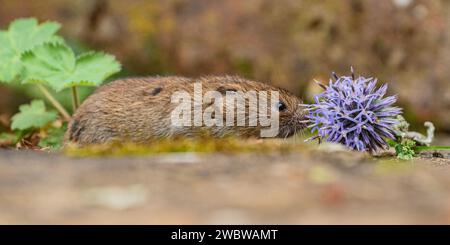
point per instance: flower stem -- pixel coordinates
(75, 101)
(431, 148)
(54, 102)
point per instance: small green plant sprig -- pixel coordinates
(409, 143)
(33, 53)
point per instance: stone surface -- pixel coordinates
(327, 186)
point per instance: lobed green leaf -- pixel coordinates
(22, 35)
(56, 64)
(33, 115)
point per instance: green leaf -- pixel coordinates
(405, 149)
(392, 143)
(54, 138)
(56, 64)
(22, 35)
(33, 115)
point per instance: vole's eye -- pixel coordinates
(281, 106)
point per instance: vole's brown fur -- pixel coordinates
(139, 109)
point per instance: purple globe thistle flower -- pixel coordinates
(354, 112)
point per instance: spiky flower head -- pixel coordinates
(354, 112)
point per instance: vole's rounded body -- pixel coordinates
(139, 110)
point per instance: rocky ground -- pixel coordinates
(307, 187)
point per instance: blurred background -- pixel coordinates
(287, 43)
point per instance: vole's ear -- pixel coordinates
(156, 91)
(152, 92)
(223, 90)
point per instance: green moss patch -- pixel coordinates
(201, 145)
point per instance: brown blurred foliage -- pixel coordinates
(286, 42)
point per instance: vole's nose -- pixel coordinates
(304, 122)
(301, 116)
